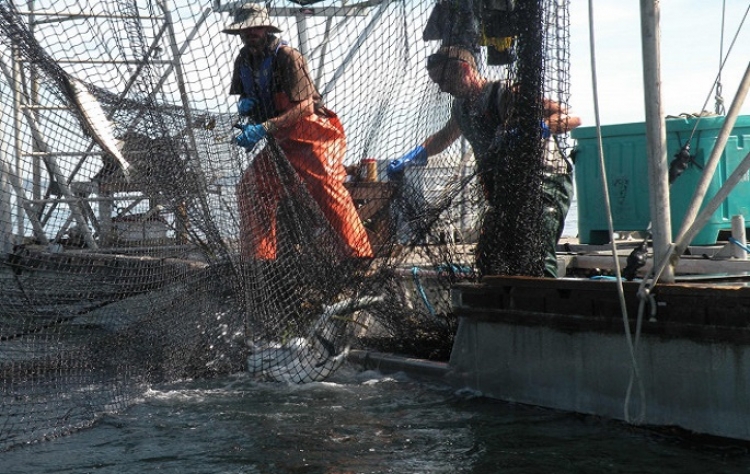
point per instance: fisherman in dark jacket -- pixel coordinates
(478, 114)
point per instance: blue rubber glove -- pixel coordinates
(245, 106)
(546, 133)
(416, 157)
(251, 134)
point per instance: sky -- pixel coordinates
(691, 38)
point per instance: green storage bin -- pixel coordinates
(625, 158)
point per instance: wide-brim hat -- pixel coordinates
(249, 15)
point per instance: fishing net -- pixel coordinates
(139, 244)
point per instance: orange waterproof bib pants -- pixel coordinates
(315, 148)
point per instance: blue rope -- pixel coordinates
(739, 244)
(454, 269)
(608, 278)
(420, 290)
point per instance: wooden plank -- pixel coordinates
(699, 304)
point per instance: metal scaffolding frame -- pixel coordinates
(63, 189)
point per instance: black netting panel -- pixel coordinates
(139, 244)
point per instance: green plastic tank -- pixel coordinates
(626, 164)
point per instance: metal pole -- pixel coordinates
(324, 50)
(691, 226)
(176, 65)
(17, 124)
(360, 41)
(6, 211)
(737, 175)
(33, 99)
(15, 182)
(177, 53)
(656, 135)
(54, 169)
(740, 234)
(165, 75)
(304, 42)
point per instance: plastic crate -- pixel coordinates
(626, 163)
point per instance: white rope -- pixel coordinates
(723, 62)
(634, 375)
(719, 107)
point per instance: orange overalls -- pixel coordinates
(315, 148)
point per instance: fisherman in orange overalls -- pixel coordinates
(279, 97)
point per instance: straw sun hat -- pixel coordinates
(249, 15)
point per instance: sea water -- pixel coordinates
(571, 221)
(359, 422)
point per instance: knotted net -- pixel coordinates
(123, 259)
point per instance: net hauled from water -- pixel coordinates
(135, 234)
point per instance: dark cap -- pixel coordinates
(451, 52)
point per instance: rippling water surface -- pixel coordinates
(359, 423)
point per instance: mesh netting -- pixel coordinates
(140, 244)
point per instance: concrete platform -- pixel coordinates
(564, 344)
